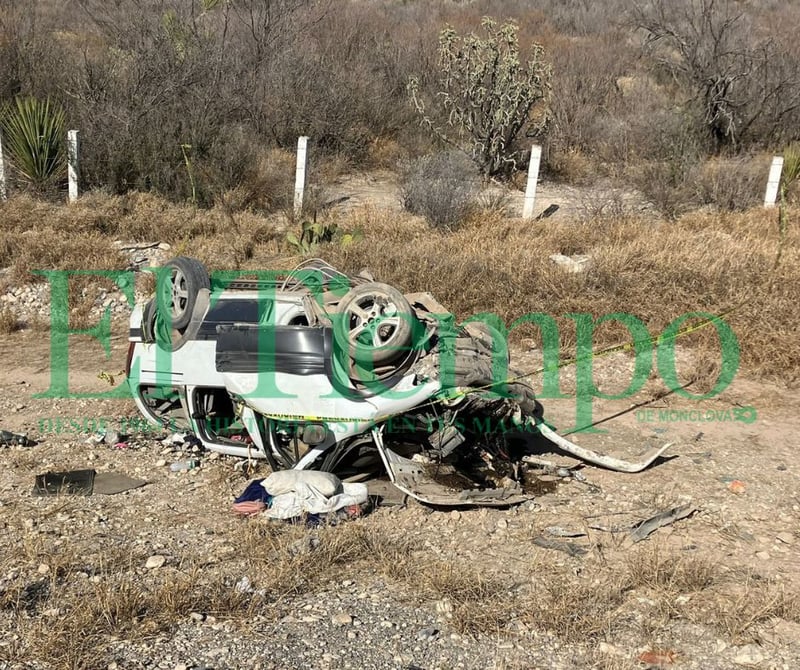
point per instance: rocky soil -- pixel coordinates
(172, 579)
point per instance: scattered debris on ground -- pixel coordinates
(84, 483)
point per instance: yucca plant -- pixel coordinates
(791, 166)
(33, 133)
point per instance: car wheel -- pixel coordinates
(148, 321)
(179, 281)
(375, 323)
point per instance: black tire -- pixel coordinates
(179, 282)
(375, 323)
(148, 321)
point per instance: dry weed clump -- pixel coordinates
(733, 602)
(576, 608)
(8, 321)
(658, 271)
(475, 601)
(656, 568)
(738, 613)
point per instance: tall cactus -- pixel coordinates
(489, 96)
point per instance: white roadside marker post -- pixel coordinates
(773, 182)
(533, 177)
(73, 164)
(300, 174)
(3, 190)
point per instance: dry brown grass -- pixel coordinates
(8, 321)
(655, 568)
(63, 618)
(738, 613)
(38, 235)
(732, 602)
(658, 271)
(90, 595)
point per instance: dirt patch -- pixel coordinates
(420, 587)
(380, 190)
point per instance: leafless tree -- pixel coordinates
(735, 70)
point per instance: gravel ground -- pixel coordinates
(463, 589)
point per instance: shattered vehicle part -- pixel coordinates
(318, 370)
(421, 484)
(9, 439)
(596, 458)
(558, 531)
(73, 482)
(649, 526)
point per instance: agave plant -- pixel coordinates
(33, 133)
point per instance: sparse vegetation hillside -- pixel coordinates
(190, 98)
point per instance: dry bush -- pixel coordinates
(740, 76)
(267, 187)
(586, 102)
(186, 104)
(386, 153)
(442, 188)
(345, 86)
(669, 186)
(495, 201)
(571, 167)
(8, 321)
(605, 205)
(731, 185)
(666, 171)
(684, 183)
